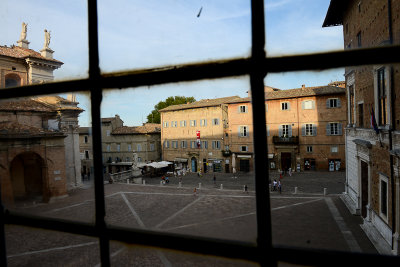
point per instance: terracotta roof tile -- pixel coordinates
(307, 91)
(202, 103)
(147, 128)
(24, 104)
(14, 128)
(19, 52)
(298, 92)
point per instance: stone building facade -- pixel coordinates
(32, 152)
(195, 135)
(48, 122)
(122, 145)
(304, 128)
(372, 178)
(86, 152)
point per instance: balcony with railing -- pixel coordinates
(282, 140)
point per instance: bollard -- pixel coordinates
(199, 185)
(221, 187)
(325, 191)
(127, 181)
(144, 182)
(295, 190)
(180, 184)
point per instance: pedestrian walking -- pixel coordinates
(245, 188)
(215, 179)
(280, 175)
(274, 183)
(280, 187)
(290, 171)
(195, 191)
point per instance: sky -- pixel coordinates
(135, 34)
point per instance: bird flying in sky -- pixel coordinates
(198, 15)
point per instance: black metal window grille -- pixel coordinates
(256, 66)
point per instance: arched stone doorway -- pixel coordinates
(26, 173)
(12, 80)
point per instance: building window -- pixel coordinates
(308, 104)
(174, 123)
(129, 147)
(183, 144)
(333, 103)
(285, 130)
(243, 109)
(86, 139)
(193, 123)
(174, 144)
(128, 159)
(203, 122)
(361, 115)
(383, 199)
(382, 98)
(139, 159)
(183, 123)
(334, 128)
(108, 132)
(243, 148)
(309, 130)
(193, 144)
(204, 144)
(86, 154)
(166, 144)
(152, 147)
(267, 130)
(108, 148)
(309, 149)
(359, 39)
(334, 149)
(216, 144)
(165, 124)
(215, 121)
(285, 106)
(243, 131)
(139, 147)
(118, 147)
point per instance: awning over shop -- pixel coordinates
(158, 165)
(180, 160)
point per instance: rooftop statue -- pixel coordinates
(24, 30)
(46, 39)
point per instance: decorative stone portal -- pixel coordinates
(26, 173)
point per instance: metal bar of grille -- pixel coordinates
(214, 69)
(96, 95)
(256, 66)
(264, 231)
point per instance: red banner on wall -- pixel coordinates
(198, 139)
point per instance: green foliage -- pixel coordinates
(154, 116)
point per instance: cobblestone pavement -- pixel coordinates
(303, 220)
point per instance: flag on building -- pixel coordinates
(373, 121)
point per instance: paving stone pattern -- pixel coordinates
(301, 220)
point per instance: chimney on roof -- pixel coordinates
(303, 86)
(22, 42)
